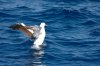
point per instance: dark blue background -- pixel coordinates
(73, 32)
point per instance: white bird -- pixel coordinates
(36, 32)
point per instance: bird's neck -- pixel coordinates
(42, 29)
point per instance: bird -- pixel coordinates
(37, 33)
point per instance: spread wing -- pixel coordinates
(36, 30)
(25, 29)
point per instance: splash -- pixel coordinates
(38, 47)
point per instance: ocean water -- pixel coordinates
(72, 35)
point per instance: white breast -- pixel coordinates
(39, 41)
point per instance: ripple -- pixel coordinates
(23, 7)
(6, 15)
(95, 0)
(89, 22)
(95, 32)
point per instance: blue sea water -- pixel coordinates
(72, 34)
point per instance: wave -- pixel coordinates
(89, 22)
(64, 14)
(95, 32)
(95, 0)
(23, 8)
(6, 15)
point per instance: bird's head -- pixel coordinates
(42, 24)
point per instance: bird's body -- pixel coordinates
(36, 32)
(40, 38)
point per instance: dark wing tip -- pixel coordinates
(15, 26)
